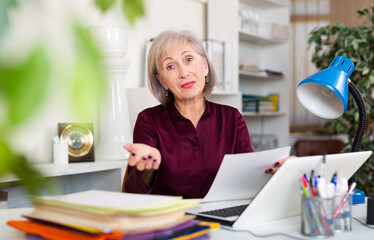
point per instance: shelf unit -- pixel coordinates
(271, 52)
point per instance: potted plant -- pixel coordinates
(357, 44)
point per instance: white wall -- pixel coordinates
(45, 19)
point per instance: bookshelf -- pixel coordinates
(267, 43)
(265, 40)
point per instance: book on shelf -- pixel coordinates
(260, 104)
(220, 54)
(215, 54)
(227, 66)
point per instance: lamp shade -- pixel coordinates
(325, 93)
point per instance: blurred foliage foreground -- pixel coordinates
(357, 44)
(24, 86)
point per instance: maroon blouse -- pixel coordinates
(190, 158)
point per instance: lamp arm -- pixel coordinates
(361, 124)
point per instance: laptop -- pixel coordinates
(280, 197)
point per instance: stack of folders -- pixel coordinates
(260, 104)
(105, 215)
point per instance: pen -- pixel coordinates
(312, 186)
(322, 187)
(345, 199)
(316, 178)
(333, 179)
(311, 205)
(323, 165)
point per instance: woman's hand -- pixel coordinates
(276, 165)
(144, 157)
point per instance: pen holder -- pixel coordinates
(343, 220)
(317, 214)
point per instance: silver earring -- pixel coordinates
(166, 92)
(206, 79)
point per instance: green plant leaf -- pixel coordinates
(24, 85)
(361, 65)
(362, 12)
(105, 5)
(365, 70)
(355, 44)
(133, 9)
(29, 177)
(89, 81)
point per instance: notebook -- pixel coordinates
(280, 197)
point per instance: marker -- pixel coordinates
(322, 187)
(312, 208)
(316, 185)
(345, 199)
(311, 178)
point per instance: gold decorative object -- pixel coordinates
(80, 140)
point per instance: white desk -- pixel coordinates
(290, 226)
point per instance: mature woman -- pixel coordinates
(179, 145)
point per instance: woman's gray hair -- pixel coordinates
(159, 46)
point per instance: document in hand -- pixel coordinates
(105, 211)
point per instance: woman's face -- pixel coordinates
(183, 72)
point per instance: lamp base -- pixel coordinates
(358, 197)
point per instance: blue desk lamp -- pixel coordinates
(325, 94)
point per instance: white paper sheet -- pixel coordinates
(241, 176)
(113, 200)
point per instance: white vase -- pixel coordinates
(114, 120)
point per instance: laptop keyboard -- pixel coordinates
(227, 212)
